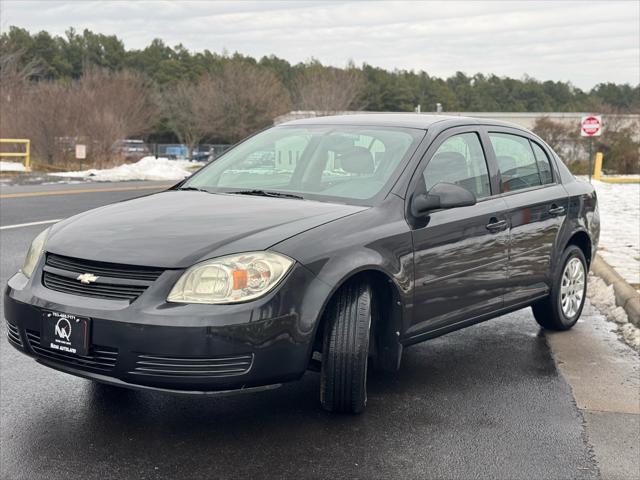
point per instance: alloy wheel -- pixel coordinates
(572, 287)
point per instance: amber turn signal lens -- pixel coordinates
(239, 279)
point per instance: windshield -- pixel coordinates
(343, 163)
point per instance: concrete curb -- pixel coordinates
(626, 296)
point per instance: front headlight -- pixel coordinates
(232, 279)
(33, 255)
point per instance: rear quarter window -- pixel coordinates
(544, 165)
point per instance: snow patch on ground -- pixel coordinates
(602, 297)
(619, 205)
(12, 167)
(147, 168)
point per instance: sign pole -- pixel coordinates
(81, 153)
(591, 126)
(590, 157)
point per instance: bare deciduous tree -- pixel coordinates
(554, 133)
(111, 106)
(13, 87)
(328, 90)
(619, 142)
(191, 110)
(249, 98)
(238, 101)
(99, 109)
(48, 119)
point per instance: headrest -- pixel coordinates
(453, 160)
(506, 163)
(357, 160)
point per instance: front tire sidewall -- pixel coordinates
(343, 377)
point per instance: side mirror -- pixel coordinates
(441, 195)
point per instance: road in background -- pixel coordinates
(30, 203)
(485, 402)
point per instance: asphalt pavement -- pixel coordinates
(484, 402)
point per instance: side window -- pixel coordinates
(544, 167)
(461, 161)
(516, 161)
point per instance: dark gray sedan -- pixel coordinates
(360, 236)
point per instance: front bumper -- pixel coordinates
(173, 347)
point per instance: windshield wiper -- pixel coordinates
(194, 189)
(264, 193)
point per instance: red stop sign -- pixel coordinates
(591, 126)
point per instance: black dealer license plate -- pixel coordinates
(65, 333)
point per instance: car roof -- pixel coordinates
(408, 120)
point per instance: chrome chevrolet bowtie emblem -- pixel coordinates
(87, 278)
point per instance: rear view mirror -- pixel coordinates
(441, 195)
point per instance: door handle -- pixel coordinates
(556, 210)
(496, 225)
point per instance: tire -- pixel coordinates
(554, 312)
(343, 375)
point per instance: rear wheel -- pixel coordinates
(343, 376)
(562, 308)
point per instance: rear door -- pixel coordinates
(537, 205)
(460, 254)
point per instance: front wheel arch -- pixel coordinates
(387, 317)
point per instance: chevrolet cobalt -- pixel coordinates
(326, 243)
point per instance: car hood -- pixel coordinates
(176, 229)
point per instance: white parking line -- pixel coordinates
(30, 224)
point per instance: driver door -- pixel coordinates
(460, 254)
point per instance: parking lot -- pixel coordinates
(485, 402)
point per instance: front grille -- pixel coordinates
(13, 334)
(192, 367)
(113, 282)
(103, 269)
(97, 290)
(100, 358)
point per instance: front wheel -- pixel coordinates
(343, 377)
(562, 308)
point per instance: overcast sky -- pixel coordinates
(585, 42)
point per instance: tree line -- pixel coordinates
(88, 85)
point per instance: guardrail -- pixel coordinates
(26, 154)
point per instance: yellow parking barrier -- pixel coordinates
(26, 154)
(597, 170)
(597, 174)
